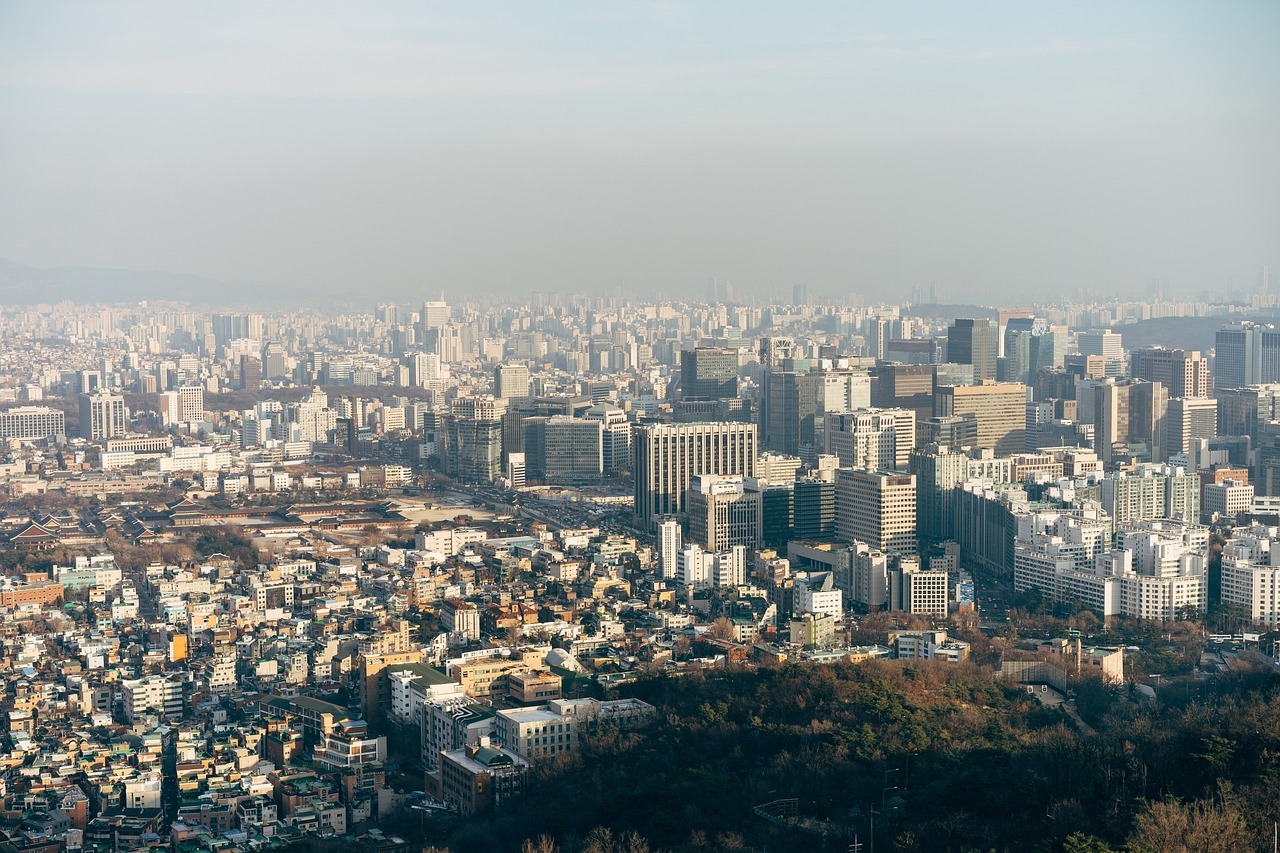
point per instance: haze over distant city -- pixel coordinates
(1006, 151)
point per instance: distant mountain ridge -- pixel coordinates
(24, 285)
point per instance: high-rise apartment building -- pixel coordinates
(998, 408)
(1184, 372)
(976, 342)
(876, 508)
(102, 416)
(668, 457)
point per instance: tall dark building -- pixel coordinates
(709, 373)
(250, 373)
(814, 509)
(777, 513)
(976, 342)
(906, 386)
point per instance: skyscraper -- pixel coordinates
(668, 456)
(976, 342)
(435, 314)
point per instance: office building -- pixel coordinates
(776, 521)
(975, 342)
(872, 439)
(813, 509)
(816, 593)
(1102, 343)
(275, 361)
(668, 457)
(939, 470)
(1129, 420)
(922, 592)
(1242, 411)
(184, 405)
(250, 373)
(1187, 419)
(616, 436)
(906, 386)
(795, 402)
(1246, 354)
(511, 381)
(876, 508)
(999, 410)
(723, 512)
(562, 450)
(1030, 345)
(1225, 500)
(670, 544)
(709, 373)
(472, 449)
(434, 314)
(30, 423)
(1184, 372)
(778, 468)
(102, 416)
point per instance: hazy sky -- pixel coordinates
(1001, 149)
